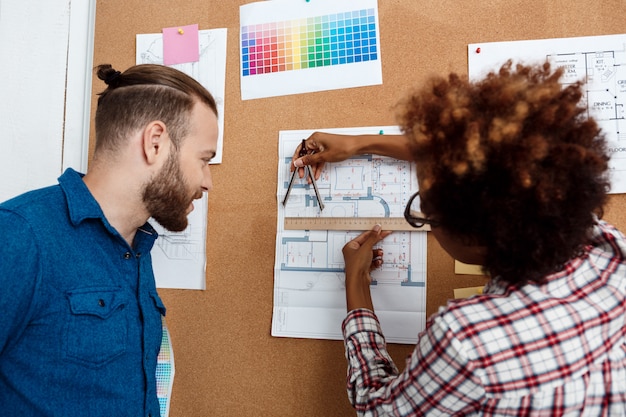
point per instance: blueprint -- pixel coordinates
(309, 289)
(598, 60)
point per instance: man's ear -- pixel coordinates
(156, 141)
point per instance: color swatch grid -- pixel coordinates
(165, 371)
(320, 41)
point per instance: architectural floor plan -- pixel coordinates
(600, 61)
(309, 292)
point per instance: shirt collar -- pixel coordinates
(82, 205)
(80, 202)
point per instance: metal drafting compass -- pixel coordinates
(309, 173)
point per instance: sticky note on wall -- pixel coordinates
(467, 292)
(467, 269)
(181, 44)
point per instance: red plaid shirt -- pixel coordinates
(555, 349)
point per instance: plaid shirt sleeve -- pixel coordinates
(551, 349)
(437, 379)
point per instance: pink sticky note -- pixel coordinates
(181, 44)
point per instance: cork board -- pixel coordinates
(227, 364)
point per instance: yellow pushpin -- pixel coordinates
(181, 31)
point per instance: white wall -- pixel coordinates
(45, 83)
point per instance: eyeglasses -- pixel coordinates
(413, 216)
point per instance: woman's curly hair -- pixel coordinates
(511, 163)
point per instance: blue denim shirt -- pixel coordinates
(80, 318)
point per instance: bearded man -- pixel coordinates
(81, 327)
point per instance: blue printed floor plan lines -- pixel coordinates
(309, 291)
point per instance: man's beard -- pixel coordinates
(166, 197)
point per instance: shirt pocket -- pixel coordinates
(156, 336)
(97, 329)
(158, 303)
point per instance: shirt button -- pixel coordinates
(138, 255)
(101, 302)
(127, 255)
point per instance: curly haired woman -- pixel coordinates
(513, 177)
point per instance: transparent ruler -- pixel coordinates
(350, 223)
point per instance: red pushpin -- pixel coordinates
(477, 50)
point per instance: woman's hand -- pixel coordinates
(360, 259)
(321, 148)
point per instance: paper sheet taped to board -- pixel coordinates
(309, 289)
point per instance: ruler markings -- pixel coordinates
(350, 223)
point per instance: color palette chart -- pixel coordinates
(335, 39)
(292, 47)
(165, 372)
